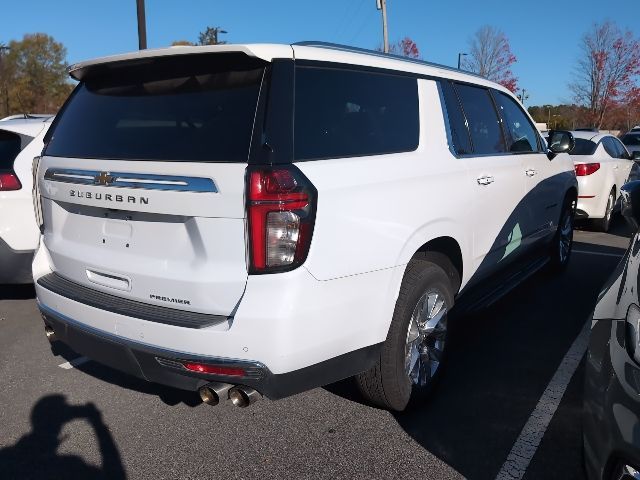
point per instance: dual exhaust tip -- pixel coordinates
(240, 396)
(211, 393)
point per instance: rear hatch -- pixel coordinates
(142, 180)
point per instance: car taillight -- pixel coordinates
(583, 169)
(214, 369)
(281, 205)
(9, 181)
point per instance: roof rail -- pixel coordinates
(347, 48)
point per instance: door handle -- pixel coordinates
(615, 167)
(485, 180)
(530, 172)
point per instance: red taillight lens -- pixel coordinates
(214, 369)
(281, 214)
(583, 169)
(9, 181)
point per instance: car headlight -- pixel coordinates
(633, 332)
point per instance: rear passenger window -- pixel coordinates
(9, 149)
(521, 134)
(610, 147)
(345, 113)
(484, 126)
(457, 122)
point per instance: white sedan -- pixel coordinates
(602, 166)
(21, 139)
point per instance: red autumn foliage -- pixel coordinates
(607, 73)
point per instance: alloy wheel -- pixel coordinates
(426, 337)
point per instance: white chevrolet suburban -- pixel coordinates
(248, 220)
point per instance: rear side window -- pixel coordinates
(347, 113)
(457, 122)
(9, 149)
(522, 136)
(175, 109)
(631, 139)
(584, 147)
(484, 126)
(610, 147)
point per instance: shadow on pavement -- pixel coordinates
(35, 454)
(17, 292)
(499, 363)
(169, 396)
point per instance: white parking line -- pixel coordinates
(531, 435)
(604, 254)
(73, 363)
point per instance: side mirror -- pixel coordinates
(560, 141)
(630, 206)
(635, 156)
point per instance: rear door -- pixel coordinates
(142, 181)
(543, 184)
(497, 182)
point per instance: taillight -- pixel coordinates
(583, 169)
(281, 204)
(9, 181)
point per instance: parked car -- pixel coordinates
(631, 140)
(612, 378)
(265, 219)
(602, 166)
(20, 141)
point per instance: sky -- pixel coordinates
(544, 35)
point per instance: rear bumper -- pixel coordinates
(16, 265)
(162, 366)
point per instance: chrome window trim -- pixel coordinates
(143, 181)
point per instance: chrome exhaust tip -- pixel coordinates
(48, 331)
(213, 392)
(243, 396)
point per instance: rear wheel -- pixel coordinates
(413, 353)
(603, 223)
(563, 240)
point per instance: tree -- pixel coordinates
(405, 47)
(210, 36)
(181, 43)
(606, 73)
(490, 56)
(35, 73)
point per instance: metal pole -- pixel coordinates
(385, 33)
(3, 49)
(142, 26)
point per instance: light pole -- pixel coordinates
(142, 25)
(3, 50)
(217, 31)
(382, 5)
(460, 55)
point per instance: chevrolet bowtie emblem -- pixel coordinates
(104, 178)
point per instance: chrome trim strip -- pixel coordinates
(143, 181)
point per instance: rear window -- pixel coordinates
(175, 109)
(9, 149)
(347, 113)
(584, 147)
(631, 139)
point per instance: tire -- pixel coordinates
(603, 224)
(397, 377)
(562, 243)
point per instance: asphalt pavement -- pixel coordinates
(64, 418)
